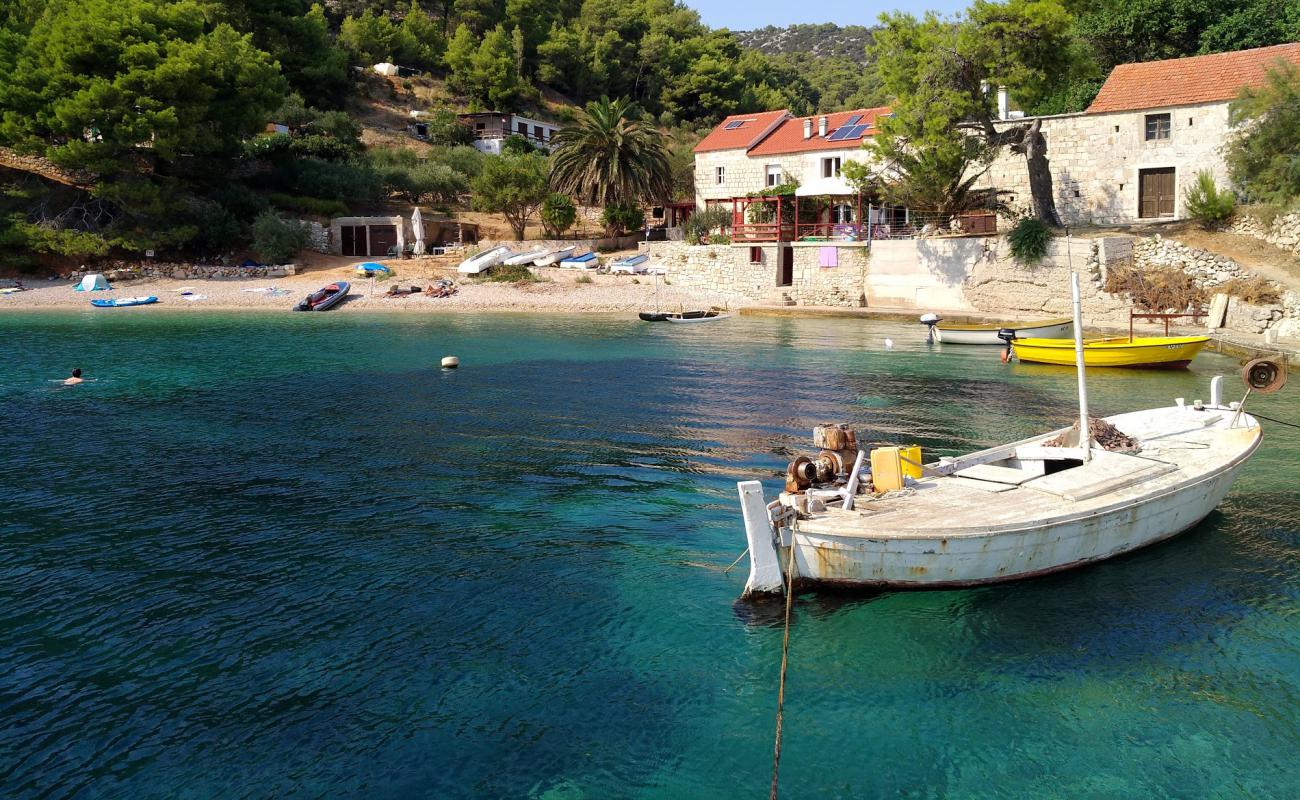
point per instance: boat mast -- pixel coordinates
(1085, 437)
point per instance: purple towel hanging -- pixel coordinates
(828, 256)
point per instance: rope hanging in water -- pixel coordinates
(785, 660)
(737, 561)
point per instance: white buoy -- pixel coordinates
(450, 362)
(889, 344)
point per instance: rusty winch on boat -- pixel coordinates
(841, 468)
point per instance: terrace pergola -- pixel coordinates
(777, 223)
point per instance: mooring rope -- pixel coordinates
(1270, 419)
(737, 561)
(785, 660)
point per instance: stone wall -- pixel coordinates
(1209, 269)
(1283, 232)
(715, 267)
(124, 271)
(844, 284)
(1001, 285)
(319, 236)
(599, 245)
(1095, 160)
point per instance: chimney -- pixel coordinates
(807, 128)
(1002, 102)
(821, 126)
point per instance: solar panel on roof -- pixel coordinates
(851, 121)
(840, 134)
(737, 123)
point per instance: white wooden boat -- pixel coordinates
(526, 257)
(696, 316)
(987, 333)
(484, 261)
(1010, 512)
(1015, 511)
(555, 255)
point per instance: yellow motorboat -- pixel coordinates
(1152, 352)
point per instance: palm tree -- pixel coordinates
(610, 156)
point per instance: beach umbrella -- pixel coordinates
(417, 230)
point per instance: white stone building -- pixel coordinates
(747, 153)
(1126, 159)
(1153, 126)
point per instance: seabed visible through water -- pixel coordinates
(287, 555)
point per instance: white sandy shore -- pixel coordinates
(558, 291)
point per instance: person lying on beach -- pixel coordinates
(75, 379)
(443, 288)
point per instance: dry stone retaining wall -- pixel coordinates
(1283, 232)
(1209, 269)
(180, 271)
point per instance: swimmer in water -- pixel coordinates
(75, 379)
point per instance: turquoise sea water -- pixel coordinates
(285, 556)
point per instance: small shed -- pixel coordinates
(368, 236)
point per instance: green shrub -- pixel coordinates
(702, 223)
(308, 205)
(511, 273)
(719, 238)
(1206, 204)
(621, 217)
(516, 145)
(583, 279)
(275, 240)
(558, 214)
(1028, 240)
(18, 234)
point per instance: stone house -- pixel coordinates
(747, 153)
(1129, 157)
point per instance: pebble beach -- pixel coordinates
(555, 290)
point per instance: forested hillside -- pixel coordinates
(149, 114)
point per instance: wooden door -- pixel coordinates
(785, 268)
(1156, 193)
(352, 240)
(382, 237)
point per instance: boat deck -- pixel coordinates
(1010, 490)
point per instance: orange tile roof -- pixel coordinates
(753, 128)
(1187, 81)
(788, 138)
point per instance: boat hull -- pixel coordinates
(483, 261)
(988, 334)
(978, 524)
(942, 561)
(551, 258)
(1171, 352)
(125, 302)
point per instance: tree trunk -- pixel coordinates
(39, 165)
(1040, 175)
(1029, 141)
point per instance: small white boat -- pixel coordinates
(1028, 508)
(695, 316)
(586, 262)
(484, 261)
(987, 333)
(553, 256)
(632, 265)
(526, 257)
